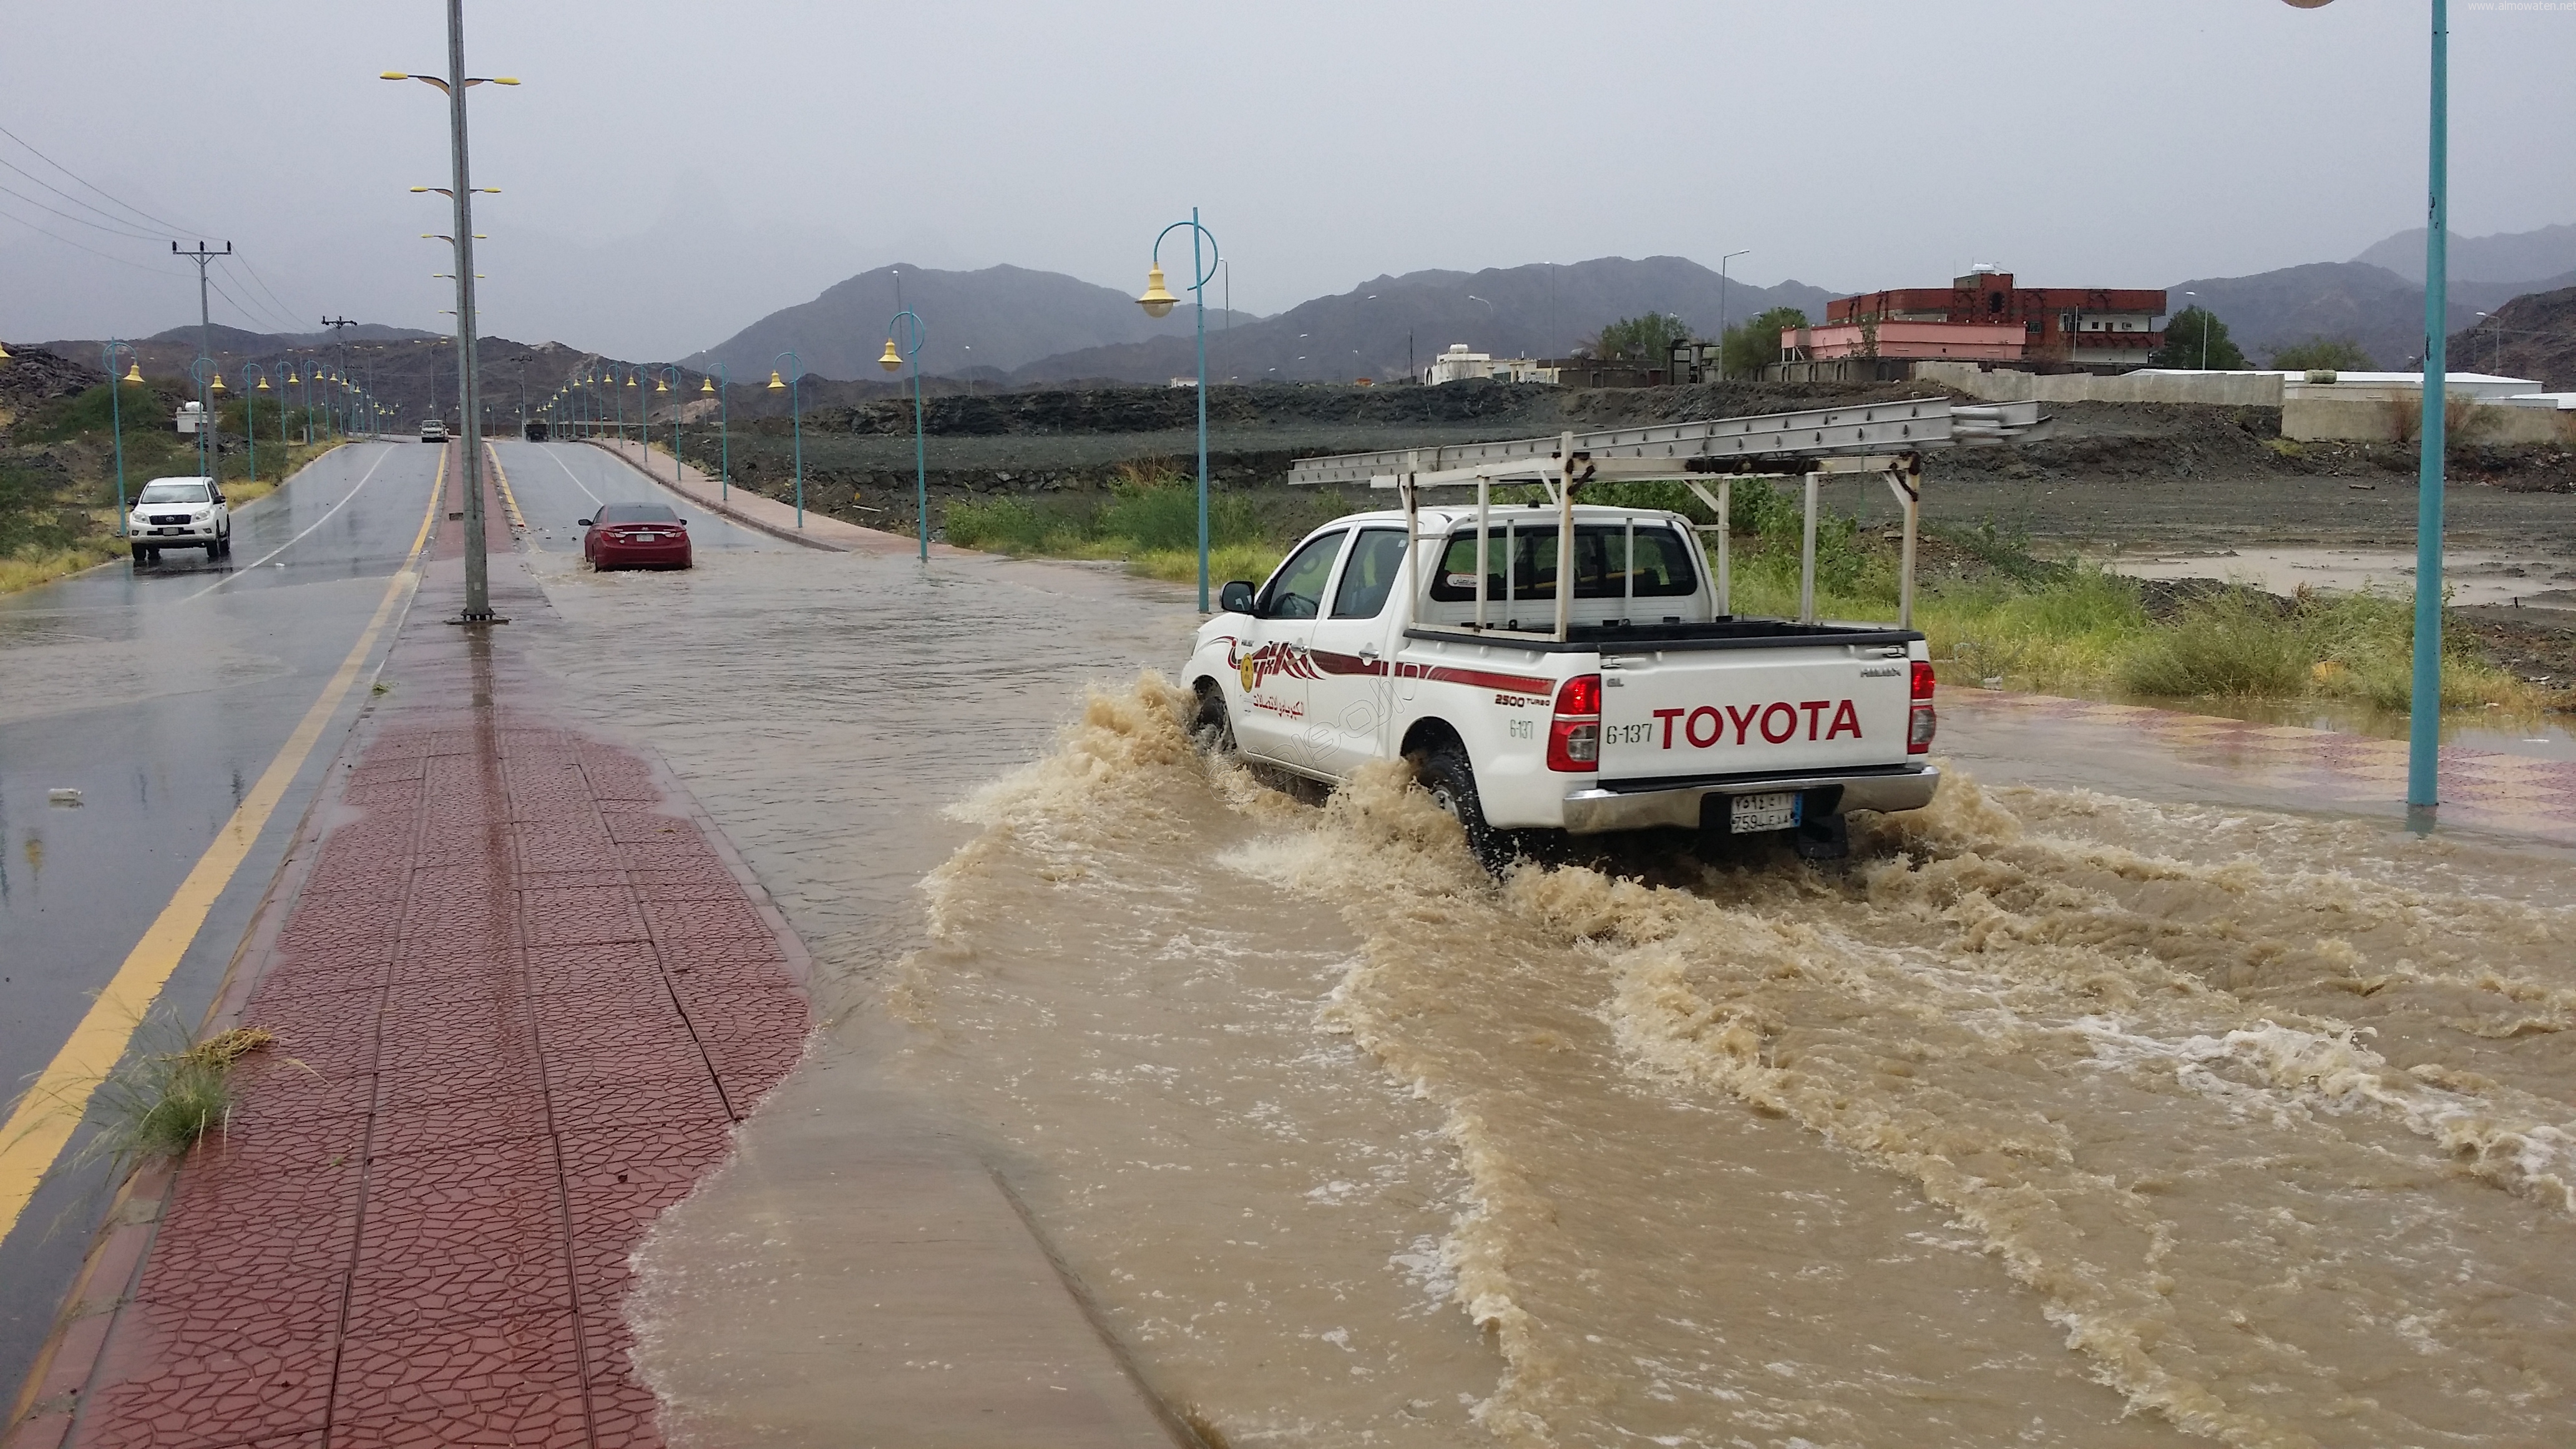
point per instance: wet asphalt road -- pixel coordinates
(162, 693)
(559, 484)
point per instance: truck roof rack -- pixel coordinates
(1884, 439)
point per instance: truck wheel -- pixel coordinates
(1213, 727)
(1451, 782)
(138, 553)
(1828, 838)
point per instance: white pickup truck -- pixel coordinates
(1635, 702)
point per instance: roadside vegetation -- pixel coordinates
(58, 498)
(1995, 612)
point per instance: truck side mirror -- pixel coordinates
(1236, 597)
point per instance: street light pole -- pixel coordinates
(1158, 302)
(1721, 308)
(796, 420)
(250, 413)
(670, 371)
(724, 429)
(908, 324)
(116, 414)
(2424, 707)
(478, 596)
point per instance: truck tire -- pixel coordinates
(1825, 838)
(1212, 726)
(1450, 780)
(138, 554)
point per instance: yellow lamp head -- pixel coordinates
(774, 384)
(219, 383)
(707, 385)
(263, 384)
(661, 384)
(4, 354)
(893, 360)
(1158, 299)
(134, 372)
(630, 379)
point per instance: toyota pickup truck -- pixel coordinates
(1613, 695)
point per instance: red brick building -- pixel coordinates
(2074, 326)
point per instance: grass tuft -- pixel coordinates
(161, 1103)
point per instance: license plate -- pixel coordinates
(647, 538)
(1752, 814)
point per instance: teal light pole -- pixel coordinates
(667, 379)
(720, 385)
(304, 399)
(1158, 302)
(250, 412)
(796, 366)
(2424, 699)
(2424, 707)
(908, 325)
(198, 372)
(116, 412)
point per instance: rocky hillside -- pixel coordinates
(2530, 336)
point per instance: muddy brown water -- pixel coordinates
(2057, 1116)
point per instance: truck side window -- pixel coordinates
(1370, 575)
(1297, 590)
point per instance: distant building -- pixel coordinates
(1984, 317)
(1460, 365)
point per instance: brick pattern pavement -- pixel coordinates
(2482, 789)
(520, 1008)
(521, 999)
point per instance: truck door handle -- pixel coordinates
(1369, 652)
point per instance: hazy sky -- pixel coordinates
(670, 172)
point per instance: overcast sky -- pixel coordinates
(670, 172)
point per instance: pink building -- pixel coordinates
(1973, 341)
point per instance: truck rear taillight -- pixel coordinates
(1919, 729)
(1574, 736)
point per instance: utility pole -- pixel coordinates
(205, 350)
(339, 350)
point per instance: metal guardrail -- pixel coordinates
(1911, 425)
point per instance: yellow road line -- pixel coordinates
(43, 1120)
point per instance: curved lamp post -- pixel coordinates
(1158, 302)
(666, 380)
(116, 411)
(796, 365)
(250, 413)
(197, 373)
(724, 428)
(908, 324)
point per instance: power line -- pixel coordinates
(81, 220)
(76, 176)
(265, 315)
(283, 311)
(76, 246)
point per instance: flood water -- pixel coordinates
(2052, 1117)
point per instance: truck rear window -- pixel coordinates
(1662, 568)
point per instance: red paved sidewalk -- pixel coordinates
(522, 996)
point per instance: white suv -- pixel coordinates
(179, 513)
(433, 430)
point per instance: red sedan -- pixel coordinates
(636, 535)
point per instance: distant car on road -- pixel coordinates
(535, 430)
(636, 535)
(433, 430)
(180, 513)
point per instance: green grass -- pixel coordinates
(1995, 613)
(160, 1103)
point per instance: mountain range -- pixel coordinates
(1006, 326)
